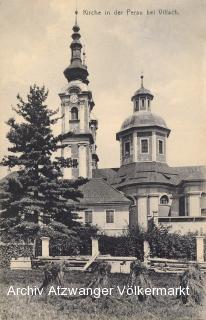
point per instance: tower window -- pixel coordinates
(88, 216)
(160, 146)
(144, 145)
(109, 216)
(127, 148)
(143, 104)
(74, 113)
(164, 200)
(137, 105)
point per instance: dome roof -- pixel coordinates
(143, 119)
(142, 90)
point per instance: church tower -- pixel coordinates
(77, 123)
(143, 135)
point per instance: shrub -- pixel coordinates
(129, 244)
(66, 242)
(162, 243)
(14, 250)
(170, 245)
(63, 241)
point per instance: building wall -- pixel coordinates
(184, 227)
(121, 218)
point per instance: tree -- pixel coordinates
(37, 189)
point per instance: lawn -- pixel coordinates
(56, 307)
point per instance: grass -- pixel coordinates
(56, 307)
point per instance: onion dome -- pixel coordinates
(77, 70)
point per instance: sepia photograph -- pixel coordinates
(103, 159)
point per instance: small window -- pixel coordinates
(88, 216)
(137, 105)
(143, 104)
(164, 200)
(127, 148)
(74, 113)
(144, 146)
(161, 147)
(109, 216)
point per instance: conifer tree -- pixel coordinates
(37, 188)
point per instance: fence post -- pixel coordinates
(45, 247)
(200, 248)
(95, 246)
(146, 248)
(155, 217)
(34, 248)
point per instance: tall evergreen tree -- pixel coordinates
(37, 188)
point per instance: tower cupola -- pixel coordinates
(142, 98)
(143, 134)
(77, 70)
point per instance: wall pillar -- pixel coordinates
(142, 211)
(95, 246)
(63, 115)
(67, 117)
(67, 154)
(134, 146)
(155, 217)
(200, 248)
(146, 252)
(154, 146)
(121, 150)
(45, 247)
(82, 117)
(90, 164)
(194, 208)
(40, 219)
(82, 161)
(153, 203)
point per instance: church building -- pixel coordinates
(144, 187)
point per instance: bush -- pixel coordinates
(14, 250)
(162, 243)
(129, 244)
(66, 242)
(63, 241)
(170, 245)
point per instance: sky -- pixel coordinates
(170, 50)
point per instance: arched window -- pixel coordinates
(143, 104)
(137, 105)
(74, 113)
(164, 200)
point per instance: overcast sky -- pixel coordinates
(169, 50)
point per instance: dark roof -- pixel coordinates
(106, 173)
(143, 90)
(143, 119)
(98, 191)
(146, 172)
(150, 172)
(192, 172)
